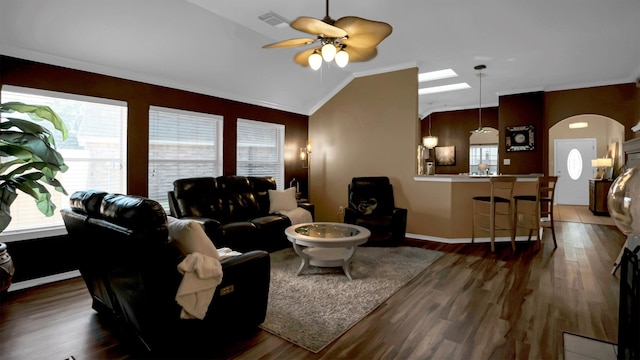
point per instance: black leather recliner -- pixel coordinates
(130, 268)
(371, 205)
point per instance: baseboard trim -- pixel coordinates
(463, 240)
(21, 285)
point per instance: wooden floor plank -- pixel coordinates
(469, 304)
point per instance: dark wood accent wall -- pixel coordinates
(139, 96)
(518, 110)
(454, 128)
(543, 109)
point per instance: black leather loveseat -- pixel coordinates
(235, 211)
(130, 269)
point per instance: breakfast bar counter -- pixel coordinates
(445, 213)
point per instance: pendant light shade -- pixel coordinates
(480, 129)
(342, 58)
(328, 52)
(430, 141)
(315, 61)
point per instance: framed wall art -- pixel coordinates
(445, 155)
(521, 138)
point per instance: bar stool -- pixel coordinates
(496, 206)
(529, 215)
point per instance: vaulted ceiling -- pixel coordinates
(215, 47)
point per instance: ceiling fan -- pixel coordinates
(348, 39)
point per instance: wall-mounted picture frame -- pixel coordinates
(445, 155)
(521, 138)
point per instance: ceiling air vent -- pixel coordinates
(274, 19)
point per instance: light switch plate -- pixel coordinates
(506, 162)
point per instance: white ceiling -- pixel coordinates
(215, 47)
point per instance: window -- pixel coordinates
(94, 151)
(260, 150)
(486, 154)
(182, 144)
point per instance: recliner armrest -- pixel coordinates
(241, 299)
(309, 207)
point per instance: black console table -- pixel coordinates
(598, 191)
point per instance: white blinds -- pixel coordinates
(95, 151)
(260, 150)
(182, 144)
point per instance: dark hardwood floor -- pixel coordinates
(470, 304)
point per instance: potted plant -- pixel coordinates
(28, 161)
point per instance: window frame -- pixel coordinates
(50, 230)
(279, 146)
(217, 123)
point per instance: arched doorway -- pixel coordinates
(608, 135)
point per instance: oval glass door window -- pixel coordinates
(574, 164)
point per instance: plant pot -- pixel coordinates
(6, 268)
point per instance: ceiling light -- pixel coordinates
(328, 52)
(578, 125)
(480, 129)
(443, 88)
(315, 60)
(436, 75)
(363, 35)
(430, 141)
(342, 58)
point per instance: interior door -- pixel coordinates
(572, 166)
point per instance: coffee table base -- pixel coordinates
(325, 257)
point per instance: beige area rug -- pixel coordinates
(581, 214)
(317, 307)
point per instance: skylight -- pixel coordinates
(443, 88)
(436, 75)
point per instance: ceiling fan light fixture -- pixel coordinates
(329, 52)
(315, 60)
(342, 58)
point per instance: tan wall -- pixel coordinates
(370, 128)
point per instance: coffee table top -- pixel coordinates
(327, 234)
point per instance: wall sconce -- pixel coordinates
(601, 164)
(304, 154)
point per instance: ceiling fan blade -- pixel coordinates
(302, 58)
(317, 27)
(363, 33)
(290, 43)
(360, 54)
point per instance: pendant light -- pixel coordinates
(430, 141)
(480, 129)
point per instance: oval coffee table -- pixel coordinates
(326, 244)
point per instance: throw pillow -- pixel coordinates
(189, 237)
(280, 200)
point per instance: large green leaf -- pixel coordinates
(14, 143)
(29, 127)
(37, 112)
(7, 196)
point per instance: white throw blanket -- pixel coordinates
(201, 268)
(201, 275)
(297, 215)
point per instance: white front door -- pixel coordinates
(572, 166)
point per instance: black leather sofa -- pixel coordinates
(234, 211)
(372, 205)
(130, 269)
